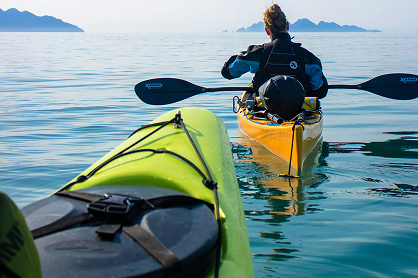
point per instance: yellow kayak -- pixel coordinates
(164, 203)
(292, 141)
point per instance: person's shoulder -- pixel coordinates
(302, 49)
(308, 56)
(257, 47)
(253, 52)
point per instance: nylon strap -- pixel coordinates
(156, 249)
(60, 225)
(83, 196)
(108, 229)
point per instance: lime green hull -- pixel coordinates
(18, 256)
(168, 171)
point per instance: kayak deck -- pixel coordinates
(161, 156)
(292, 141)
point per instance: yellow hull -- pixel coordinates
(278, 137)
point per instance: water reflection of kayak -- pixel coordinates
(286, 194)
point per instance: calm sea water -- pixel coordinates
(67, 99)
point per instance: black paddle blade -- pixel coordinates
(160, 91)
(400, 86)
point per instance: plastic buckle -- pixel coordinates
(249, 104)
(114, 205)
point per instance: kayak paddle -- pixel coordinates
(402, 86)
(160, 91)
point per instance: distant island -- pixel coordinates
(305, 25)
(14, 21)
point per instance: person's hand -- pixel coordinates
(225, 69)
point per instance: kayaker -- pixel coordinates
(281, 56)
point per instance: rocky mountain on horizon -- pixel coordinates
(14, 21)
(305, 25)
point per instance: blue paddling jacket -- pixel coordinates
(281, 56)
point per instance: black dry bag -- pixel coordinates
(282, 95)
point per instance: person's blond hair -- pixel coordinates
(275, 19)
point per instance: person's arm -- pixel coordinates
(318, 84)
(246, 61)
(225, 69)
(322, 91)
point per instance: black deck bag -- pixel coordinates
(123, 231)
(282, 95)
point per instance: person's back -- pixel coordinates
(279, 57)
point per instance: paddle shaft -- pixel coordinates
(361, 87)
(344, 87)
(223, 89)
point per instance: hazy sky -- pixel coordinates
(218, 15)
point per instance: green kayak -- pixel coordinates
(18, 256)
(164, 203)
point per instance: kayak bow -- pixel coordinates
(168, 199)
